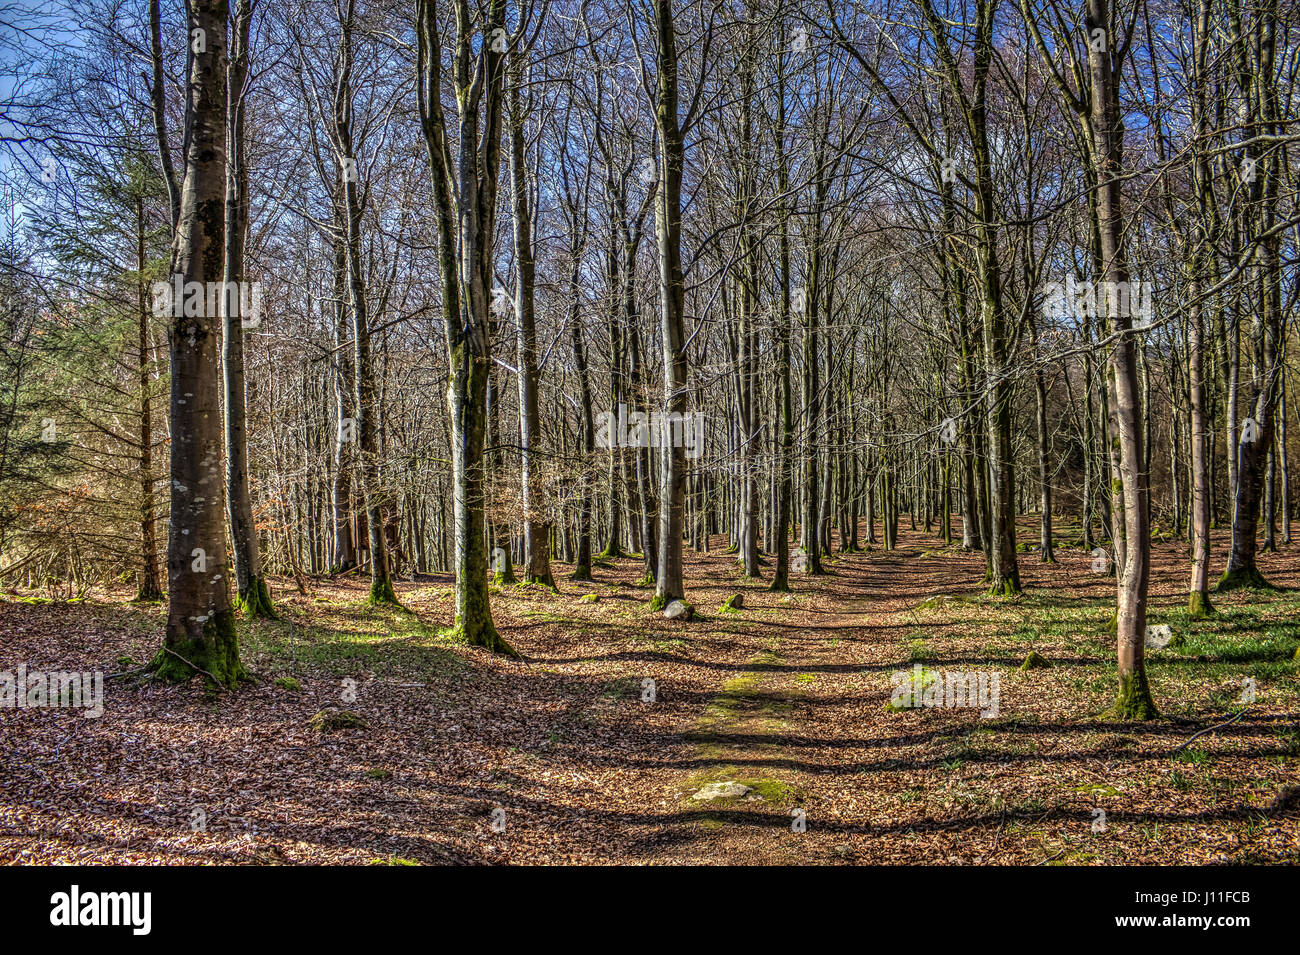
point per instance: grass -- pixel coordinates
(351, 639)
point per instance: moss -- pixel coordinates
(542, 580)
(1009, 587)
(393, 860)
(1034, 662)
(733, 604)
(658, 602)
(940, 600)
(288, 683)
(772, 790)
(330, 721)
(381, 592)
(589, 599)
(378, 774)
(1198, 605)
(1244, 578)
(768, 789)
(124, 662)
(1133, 702)
(257, 602)
(215, 653)
(483, 635)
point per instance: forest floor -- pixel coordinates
(466, 757)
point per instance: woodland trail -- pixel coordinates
(834, 775)
(803, 725)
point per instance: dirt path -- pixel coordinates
(797, 735)
(807, 764)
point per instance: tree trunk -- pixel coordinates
(672, 498)
(200, 635)
(252, 595)
(537, 529)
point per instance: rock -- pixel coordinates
(589, 599)
(727, 790)
(1159, 637)
(679, 610)
(328, 721)
(734, 602)
(1034, 662)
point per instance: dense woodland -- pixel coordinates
(514, 285)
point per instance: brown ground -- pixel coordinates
(787, 696)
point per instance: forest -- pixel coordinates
(621, 432)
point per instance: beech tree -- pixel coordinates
(201, 635)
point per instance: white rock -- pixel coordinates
(678, 610)
(727, 790)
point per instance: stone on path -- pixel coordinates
(726, 790)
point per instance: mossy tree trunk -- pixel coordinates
(1133, 700)
(465, 227)
(200, 635)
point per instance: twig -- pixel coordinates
(1208, 729)
(193, 666)
(127, 673)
